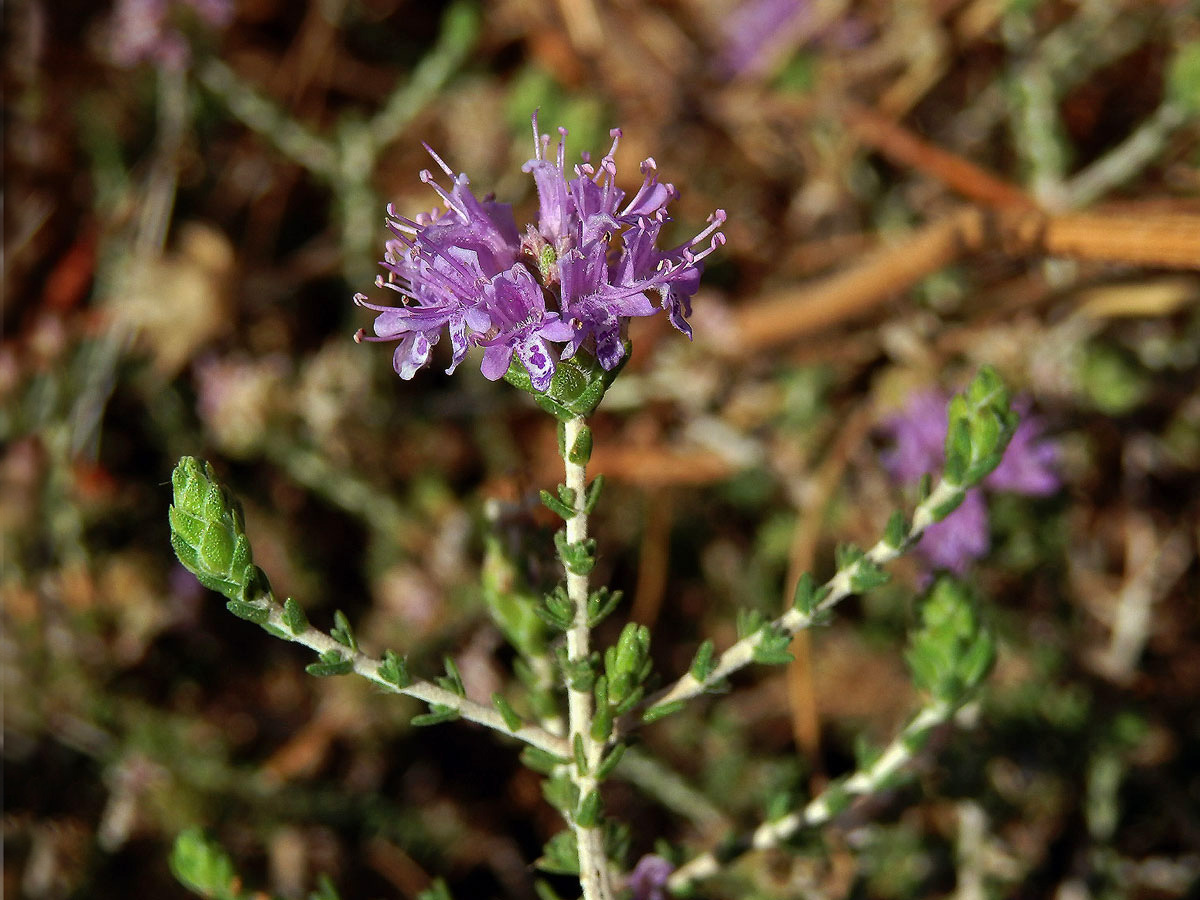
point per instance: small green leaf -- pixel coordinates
(394, 669)
(294, 617)
(866, 575)
(511, 719)
(593, 494)
(661, 711)
(560, 855)
(772, 647)
(581, 450)
(437, 715)
(332, 663)
(609, 763)
(896, 531)
(342, 632)
(703, 663)
(452, 680)
(202, 866)
(561, 792)
(540, 761)
(577, 748)
(588, 814)
(251, 612)
(556, 506)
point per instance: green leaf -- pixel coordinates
(332, 663)
(556, 506)
(772, 647)
(896, 532)
(452, 680)
(609, 763)
(866, 575)
(703, 663)
(541, 761)
(251, 612)
(577, 748)
(593, 494)
(560, 855)
(202, 866)
(581, 450)
(394, 669)
(294, 617)
(511, 719)
(561, 793)
(437, 715)
(661, 711)
(588, 814)
(808, 596)
(601, 603)
(342, 632)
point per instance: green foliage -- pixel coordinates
(981, 422)
(560, 855)
(342, 632)
(203, 867)
(332, 662)
(772, 646)
(601, 603)
(610, 762)
(952, 651)
(590, 809)
(556, 609)
(627, 665)
(294, 617)
(1183, 77)
(704, 663)
(208, 533)
(394, 669)
(581, 450)
(807, 596)
(511, 719)
(578, 557)
(593, 494)
(540, 761)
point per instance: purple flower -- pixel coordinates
(759, 31)
(148, 30)
(589, 265)
(648, 880)
(919, 437)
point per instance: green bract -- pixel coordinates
(577, 387)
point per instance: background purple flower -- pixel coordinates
(918, 446)
(648, 880)
(147, 31)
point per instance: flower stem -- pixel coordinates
(593, 863)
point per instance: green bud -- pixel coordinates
(208, 531)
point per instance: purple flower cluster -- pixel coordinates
(146, 31)
(648, 880)
(571, 282)
(919, 438)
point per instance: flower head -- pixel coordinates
(572, 282)
(648, 880)
(919, 437)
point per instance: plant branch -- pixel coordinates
(826, 805)
(426, 691)
(836, 589)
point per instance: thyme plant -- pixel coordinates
(549, 308)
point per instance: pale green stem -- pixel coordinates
(593, 864)
(839, 587)
(426, 691)
(826, 805)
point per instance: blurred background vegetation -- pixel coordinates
(913, 189)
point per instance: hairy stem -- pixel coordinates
(838, 588)
(427, 691)
(593, 865)
(826, 805)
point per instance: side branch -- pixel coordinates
(426, 691)
(836, 589)
(826, 805)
